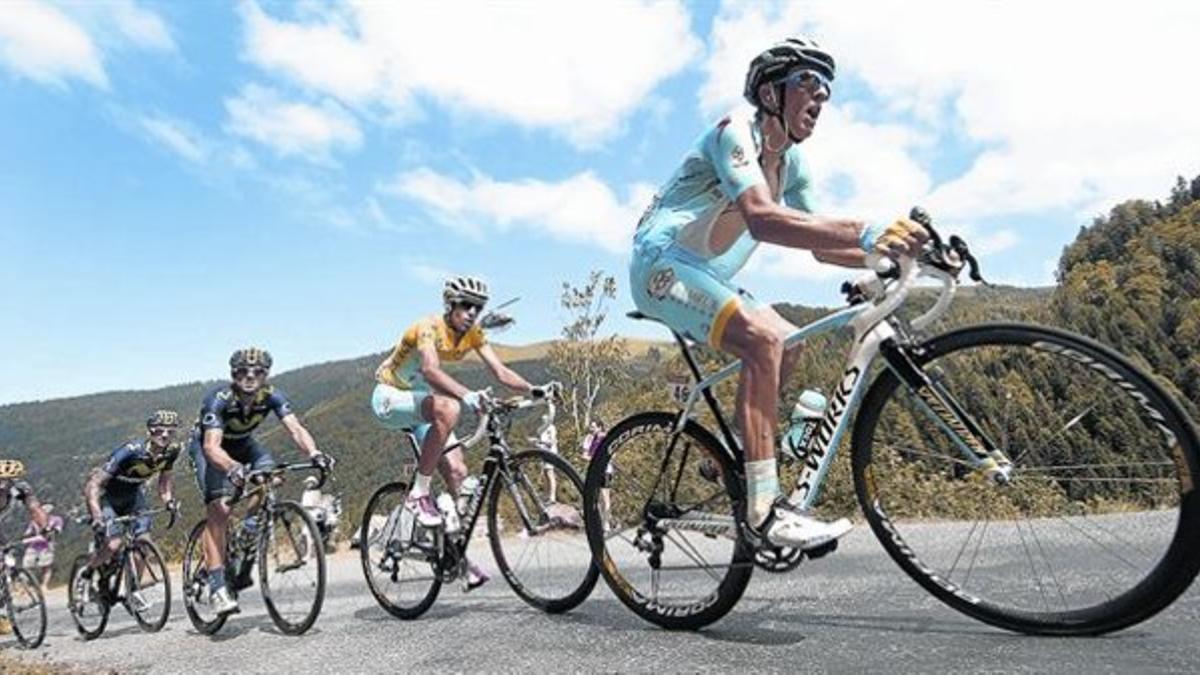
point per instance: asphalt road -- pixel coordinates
(851, 611)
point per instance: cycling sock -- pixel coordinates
(216, 579)
(762, 487)
(420, 486)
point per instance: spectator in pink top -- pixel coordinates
(39, 553)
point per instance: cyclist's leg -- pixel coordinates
(108, 543)
(752, 337)
(217, 489)
(453, 467)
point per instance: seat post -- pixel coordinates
(708, 396)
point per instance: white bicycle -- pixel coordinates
(1026, 476)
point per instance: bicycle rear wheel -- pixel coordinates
(197, 600)
(400, 559)
(147, 575)
(670, 548)
(541, 546)
(1098, 527)
(291, 568)
(26, 609)
(88, 608)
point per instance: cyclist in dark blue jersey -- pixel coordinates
(115, 488)
(223, 445)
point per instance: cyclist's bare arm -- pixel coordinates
(778, 224)
(36, 513)
(505, 375)
(300, 435)
(431, 371)
(92, 488)
(213, 451)
(846, 257)
(166, 486)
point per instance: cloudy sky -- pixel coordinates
(180, 179)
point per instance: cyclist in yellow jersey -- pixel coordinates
(412, 390)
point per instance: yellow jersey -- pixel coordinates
(402, 366)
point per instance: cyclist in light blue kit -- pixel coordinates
(746, 181)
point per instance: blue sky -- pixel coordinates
(181, 179)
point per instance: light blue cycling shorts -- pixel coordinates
(399, 409)
(676, 287)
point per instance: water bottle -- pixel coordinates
(806, 416)
(445, 504)
(465, 491)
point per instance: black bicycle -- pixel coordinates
(538, 543)
(1026, 476)
(285, 544)
(21, 597)
(135, 577)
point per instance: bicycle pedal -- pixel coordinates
(822, 550)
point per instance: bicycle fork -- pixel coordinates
(940, 406)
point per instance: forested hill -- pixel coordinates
(1132, 280)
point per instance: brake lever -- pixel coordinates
(922, 216)
(959, 246)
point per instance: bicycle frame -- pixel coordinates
(495, 427)
(875, 334)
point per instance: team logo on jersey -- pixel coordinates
(738, 154)
(660, 283)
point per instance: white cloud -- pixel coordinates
(41, 43)
(51, 43)
(580, 209)
(291, 128)
(177, 136)
(1078, 104)
(431, 275)
(141, 27)
(576, 68)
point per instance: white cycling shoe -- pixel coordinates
(222, 603)
(787, 527)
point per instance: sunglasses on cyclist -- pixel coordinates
(243, 372)
(467, 305)
(162, 431)
(810, 80)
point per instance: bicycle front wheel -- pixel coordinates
(1098, 526)
(149, 586)
(400, 559)
(85, 600)
(538, 537)
(197, 596)
(291, 568)
(666, 533)
(26, 609)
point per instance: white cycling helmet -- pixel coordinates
(311, 483)
(465, 289)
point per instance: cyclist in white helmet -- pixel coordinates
(746, 181)
(413, 391)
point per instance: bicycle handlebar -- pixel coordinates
(493, 406)
(889, 282)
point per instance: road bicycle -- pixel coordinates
(280, 538)
(21, 597)
(539, 545)
(1026, 476)
(135, 577)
